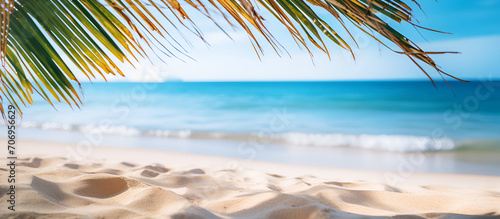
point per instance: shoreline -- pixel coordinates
(453, 162)
(146, 156)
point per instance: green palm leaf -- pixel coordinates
(40, 37)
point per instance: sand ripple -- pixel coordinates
(58, 188)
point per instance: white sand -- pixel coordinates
(130, 183)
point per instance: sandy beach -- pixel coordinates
(249, 109)
(132, 182)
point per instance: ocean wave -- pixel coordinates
(403, 143)
(399, 143)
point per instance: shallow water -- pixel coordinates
(387, 116)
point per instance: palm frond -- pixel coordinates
(44, 42)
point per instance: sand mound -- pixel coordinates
(58, 188)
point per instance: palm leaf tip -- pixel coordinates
(39, 38)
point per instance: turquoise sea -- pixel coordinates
(382, 116)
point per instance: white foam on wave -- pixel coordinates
(169, 133)
(118, 129)
(401, 143)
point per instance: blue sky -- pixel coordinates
(475, 25)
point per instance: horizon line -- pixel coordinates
(292, 81)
